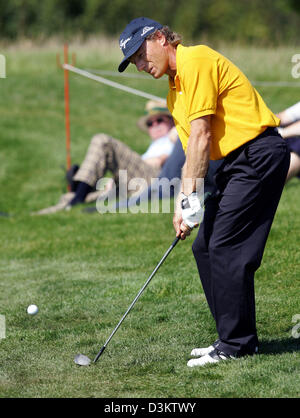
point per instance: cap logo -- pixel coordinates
(146, 29)
(123, 42)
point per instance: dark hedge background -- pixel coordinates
(267, 22)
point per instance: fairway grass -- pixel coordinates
(84, 270)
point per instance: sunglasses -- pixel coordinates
(149, 123)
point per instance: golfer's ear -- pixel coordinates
(161, 38)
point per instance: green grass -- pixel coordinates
(83, 271)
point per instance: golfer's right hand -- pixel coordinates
(181, 229)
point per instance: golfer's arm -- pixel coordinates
(197, 154)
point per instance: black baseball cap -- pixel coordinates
(133, 36)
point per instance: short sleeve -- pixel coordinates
(199, 83)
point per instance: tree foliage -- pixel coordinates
(251, 21)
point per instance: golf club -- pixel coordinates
(83, 360)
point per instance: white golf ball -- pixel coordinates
(32, 310)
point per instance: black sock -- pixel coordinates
(82, 190)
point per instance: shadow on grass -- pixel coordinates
(293, 183)
(284, 345)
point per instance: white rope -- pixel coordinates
(94, 77)
(122, 75)
(276, 83)
(145, 77)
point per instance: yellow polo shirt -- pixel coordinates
(207, 83)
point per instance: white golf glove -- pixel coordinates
(192, 210)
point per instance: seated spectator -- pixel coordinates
(109, 154)
(290, 129)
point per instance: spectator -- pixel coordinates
(109, 154)
(290, 129)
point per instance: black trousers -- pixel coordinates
(231, 239)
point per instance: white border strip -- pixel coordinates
(94, 77)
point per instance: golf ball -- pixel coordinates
(32, 310)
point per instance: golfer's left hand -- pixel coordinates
(192, 210)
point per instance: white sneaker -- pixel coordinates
(213, 357)
(199, 352)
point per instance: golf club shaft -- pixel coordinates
(138, 295)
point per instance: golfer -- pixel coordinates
(218, 114)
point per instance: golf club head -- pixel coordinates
(82, 360)
(99, 354)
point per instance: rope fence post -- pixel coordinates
(67, 111)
